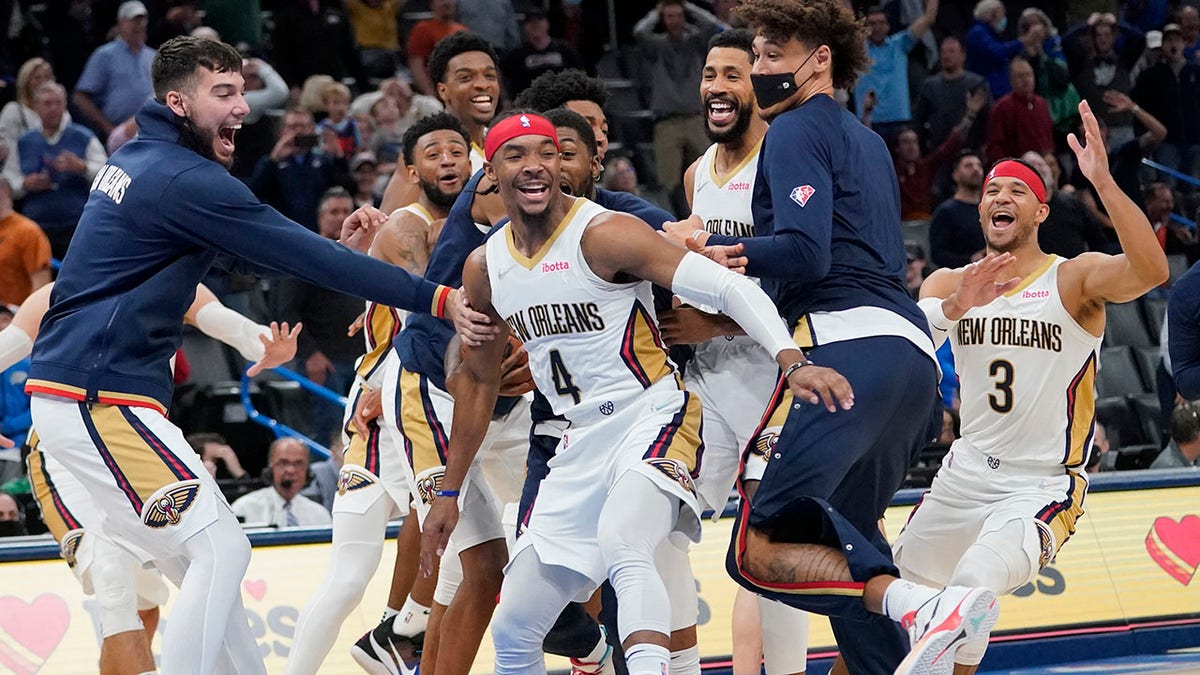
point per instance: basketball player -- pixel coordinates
(1007, 496)
(732, 375)
(574, 90)
(467, 72)
(568, 275)
(828, 249)
(373, 483)
(159, 214)
(128, 595)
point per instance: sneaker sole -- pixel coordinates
(370, 663)
(934, 652)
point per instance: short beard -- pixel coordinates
(193, 139)
(1016, 243)
(437, 197)
(732, 133)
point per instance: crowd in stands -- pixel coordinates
(332, 85)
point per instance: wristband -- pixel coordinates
(439, 301)
(796, 366)
(445, 493)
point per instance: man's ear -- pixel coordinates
(489, 172)
(175, 103)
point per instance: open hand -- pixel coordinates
(278, 348)
(473, 327)
(435, 532)
(1093, 158)
(359, 228)
(984, 281)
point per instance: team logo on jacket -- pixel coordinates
(802, 194)
(70, 546)
(764, 444)
(353, 478)
(428, 485)
(676, 471)
(168, 505)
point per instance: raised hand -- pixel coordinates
(359, 228)
(984, 281)
(1092, 156)
(278, 348)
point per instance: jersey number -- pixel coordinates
(1002, 401)
(563, 384)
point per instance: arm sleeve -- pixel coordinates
(220, 322)
(210, 207)
(701, 279)
(1183, 334)
(797, 162)
(939, 325)
(15, 344)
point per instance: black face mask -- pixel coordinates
(774, 88)
(12, 528)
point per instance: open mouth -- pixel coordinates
(721, 112)
(226, 134)
(449, 180)
(484, 103)
(536, 190)
(1002, 220)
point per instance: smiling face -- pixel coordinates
(441, 164)
(594, 114)
(471, 87)
(527, 170)
(578, 166)
(1010, 214)
(213, 111)
(727, 94)
(793, 57)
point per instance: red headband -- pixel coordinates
(1013, 169)
(517, 125)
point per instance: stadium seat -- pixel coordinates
(210, 360)
(1149, 415)
(1119, 421)
(1124, 326)
(1153, 311)
(1118, 374)
(1136, 457)
(1147, 359)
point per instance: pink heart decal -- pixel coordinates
(30, 631)
(1175, 546)
(257, 589)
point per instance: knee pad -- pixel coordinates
(114, 580)
(784, 637)
(675, 568)
(450, 576)
(1005, 558)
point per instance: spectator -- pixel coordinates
(1150, 56)
(1170, 91)
(538, 53)
(335, 100)
(673, 40)
(18, 116)
(365, 169)
(313, 37)
(265, 93)
(377, 34)
(387, 135)
(389, 131)
(1189, 24)
(1125, 159)
(1020, 121)
(1069, 229)
(1102, 71)
(116, 79)
(24, 253)
(218, 457)
(942, 101)
(424, 36)
(951, 426)
(915, 173)
(1184, 448)
(301, 167)
(12, 521)
(1043, 51)
(493, 20)
(955, 235)
(888, 76)
(620, 175)
(1174, 237)
(1146, 15)
(987, 54)
(239, 22)
(70, 38)
(15, 419)
(327, 353)
(52, 169)
(181, 18)
(917, 269)
(280, 504)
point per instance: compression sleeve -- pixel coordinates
(15, 345)
(736, 296)
(212, 208)
(939, 324)
(218, 321)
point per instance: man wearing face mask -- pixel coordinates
(11, 522)
(828, 250)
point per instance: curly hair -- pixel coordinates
(813, 23)
(429, 124)
(552, 90)
(451, 46)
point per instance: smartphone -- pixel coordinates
(305, 141)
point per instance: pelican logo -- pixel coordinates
(1046, 541)
(525, 121)
(70, 546)
(168, 505)
(676, 471)
(429, 484)
(765, 442)
(353, 478)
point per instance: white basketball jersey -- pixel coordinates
(477, 158)
(593, 345)
(723, 202)
(1027, 372)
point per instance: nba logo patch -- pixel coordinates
(525, 122)
(351, 479)
(802, 194)
(168, 505)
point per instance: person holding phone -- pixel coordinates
(300, 168)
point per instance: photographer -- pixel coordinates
(301, 167)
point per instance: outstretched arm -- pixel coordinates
(265, 347)
(475, 385)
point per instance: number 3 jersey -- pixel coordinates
(593, 345)
(1027, 371)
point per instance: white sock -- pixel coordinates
(594, 659)
(686, 661)
(388, 613)
(647, 659)
(413, 618)
(902, 597)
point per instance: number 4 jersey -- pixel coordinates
(593, 345)
(1028, 372)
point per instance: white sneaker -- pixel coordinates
(953, 616)
(602, 667)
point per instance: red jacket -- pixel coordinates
(1017, 125)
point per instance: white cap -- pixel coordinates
(131, 10)
(1154, 39)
